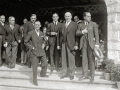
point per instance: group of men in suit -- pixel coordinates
(63, 40)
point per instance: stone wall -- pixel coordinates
(113, 29)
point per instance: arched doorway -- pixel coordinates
(103, 11)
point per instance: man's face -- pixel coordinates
(37, 25)
(12, 21)
(76, 19)
(2, 19)
(33, 19)
(55, 17)
(87, 17)
(25, 21)
(68, 16)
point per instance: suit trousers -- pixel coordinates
(54, 55)
(0, 48)
(28, 57)
(11, 52)
(88, 57)
(68, 60)
(23, 56)
(35, 61)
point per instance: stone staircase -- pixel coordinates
(20, 78)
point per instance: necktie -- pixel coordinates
(67, 24)
(55, 23)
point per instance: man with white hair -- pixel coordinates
(11, 40)
(69, 45)
(37, 51)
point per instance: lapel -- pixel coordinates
(32, 26)
(15, 27)
(9, 28)
(35, 34)
(89, 26)
(2, 26)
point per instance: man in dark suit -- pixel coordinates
(2, 30)
(37, 50)
(27, 28)
(22, 45)
(89, 40)
(69, 45)
(11, 40)
(53, 29)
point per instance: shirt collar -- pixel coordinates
(55, 21)
(36, 30)
(68, 22)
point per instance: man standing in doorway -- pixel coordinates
(69, 45)
(27, 28)
(11, 40)
(22, 46)
(2, 32)
(37, 51)
(53, 29)
(76, 19)
(89, 40)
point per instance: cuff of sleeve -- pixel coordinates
(82, 32)
(97, 45)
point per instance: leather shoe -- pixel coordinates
(91, 79)
(45, 76)
(35, 83)
(63, 76)
(82, 78)
(71, 77)
(0, 64)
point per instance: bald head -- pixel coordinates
(68, 16)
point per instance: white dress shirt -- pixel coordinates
(12, 26)
(67, 23)
(37, 31)
(55, 22)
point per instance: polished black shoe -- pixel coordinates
(83, 78)
(91, 79)
(71, 77)
(29, 66)
(0, 64)
(35, 83)
(62, 77)
(57, 69)
(46, 76)
(22, 64)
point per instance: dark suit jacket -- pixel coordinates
(53, 28)
(69, 35)
(27, 28)
(92, 35)
(8, 33)
(36, 42)
(2, 29)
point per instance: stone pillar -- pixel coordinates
(113, 29)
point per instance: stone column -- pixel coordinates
(113, 29)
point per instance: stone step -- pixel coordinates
(15, 84)
(25, 69)
(20, 78)
(53, 77)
